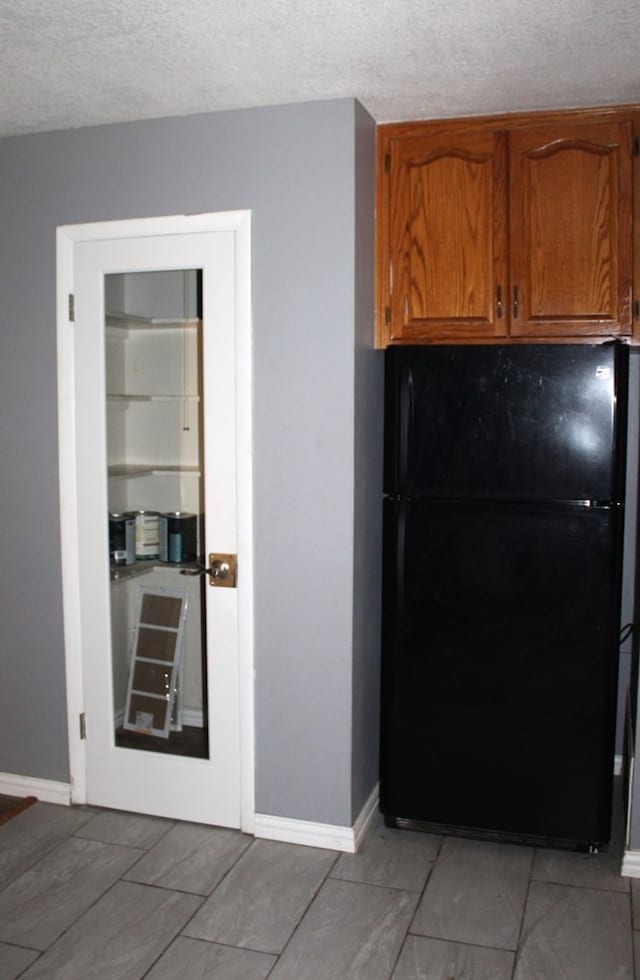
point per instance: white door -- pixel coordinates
(163, 678)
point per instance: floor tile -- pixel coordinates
(194, 958)
(437, 959)
(127, 829)
(392, 858)
(120, 937)
(263, 897)
(190, 858)
(635, 902)
(476, 894)
(13, 960)
(33, 833)
(351, 932)
(44, 901)
(575, 934)
(584, 870)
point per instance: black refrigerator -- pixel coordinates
(502, 552)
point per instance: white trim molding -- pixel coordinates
(631, 864)
(331, 836)
(45, 790)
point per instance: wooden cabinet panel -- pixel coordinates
(447, 241)
(507, 227)
(571, 230)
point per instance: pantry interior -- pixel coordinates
(155, 472)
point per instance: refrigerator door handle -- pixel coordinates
(406, 425)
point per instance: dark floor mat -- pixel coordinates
(10, 806)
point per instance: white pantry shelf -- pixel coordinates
(130, 321)
(112, 397)
(128, 470)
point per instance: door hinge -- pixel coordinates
(387, 163)
(387, 316)
(83, 725)
(72, 308)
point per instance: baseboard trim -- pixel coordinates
(631, 864)
(331, 836)
(45, 790)
(366, 816)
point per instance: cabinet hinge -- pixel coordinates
(387, 162)
(83, 725)
(387, 316)
(636, 146)
(72, 308)
(636, 310)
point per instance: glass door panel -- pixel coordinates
(155, 468)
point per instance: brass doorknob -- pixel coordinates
(219, 569)
(222, 570)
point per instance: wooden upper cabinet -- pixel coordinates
(506, 227)
(446, 250)
(570, 216)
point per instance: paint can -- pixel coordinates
(178, 537)
(147, 535)
(122, 539)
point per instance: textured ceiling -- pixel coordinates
(68, 63)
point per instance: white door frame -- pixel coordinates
(240, 223)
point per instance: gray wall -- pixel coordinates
(369, 383)
(307, 173)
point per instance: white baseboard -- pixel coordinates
(631, 864)
(366, 816)
(45, 790)
(331, 836)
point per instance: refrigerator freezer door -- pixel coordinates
(524, 422)
(500, 669)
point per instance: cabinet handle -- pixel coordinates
(515, 302)
(499, 302)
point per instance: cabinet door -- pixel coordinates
(443, 268)
(571, 230)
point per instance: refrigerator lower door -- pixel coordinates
(499, 668)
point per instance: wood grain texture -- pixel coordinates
(570, 230)
(447, 232)
(556, 220)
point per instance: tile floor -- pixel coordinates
(100, 894)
